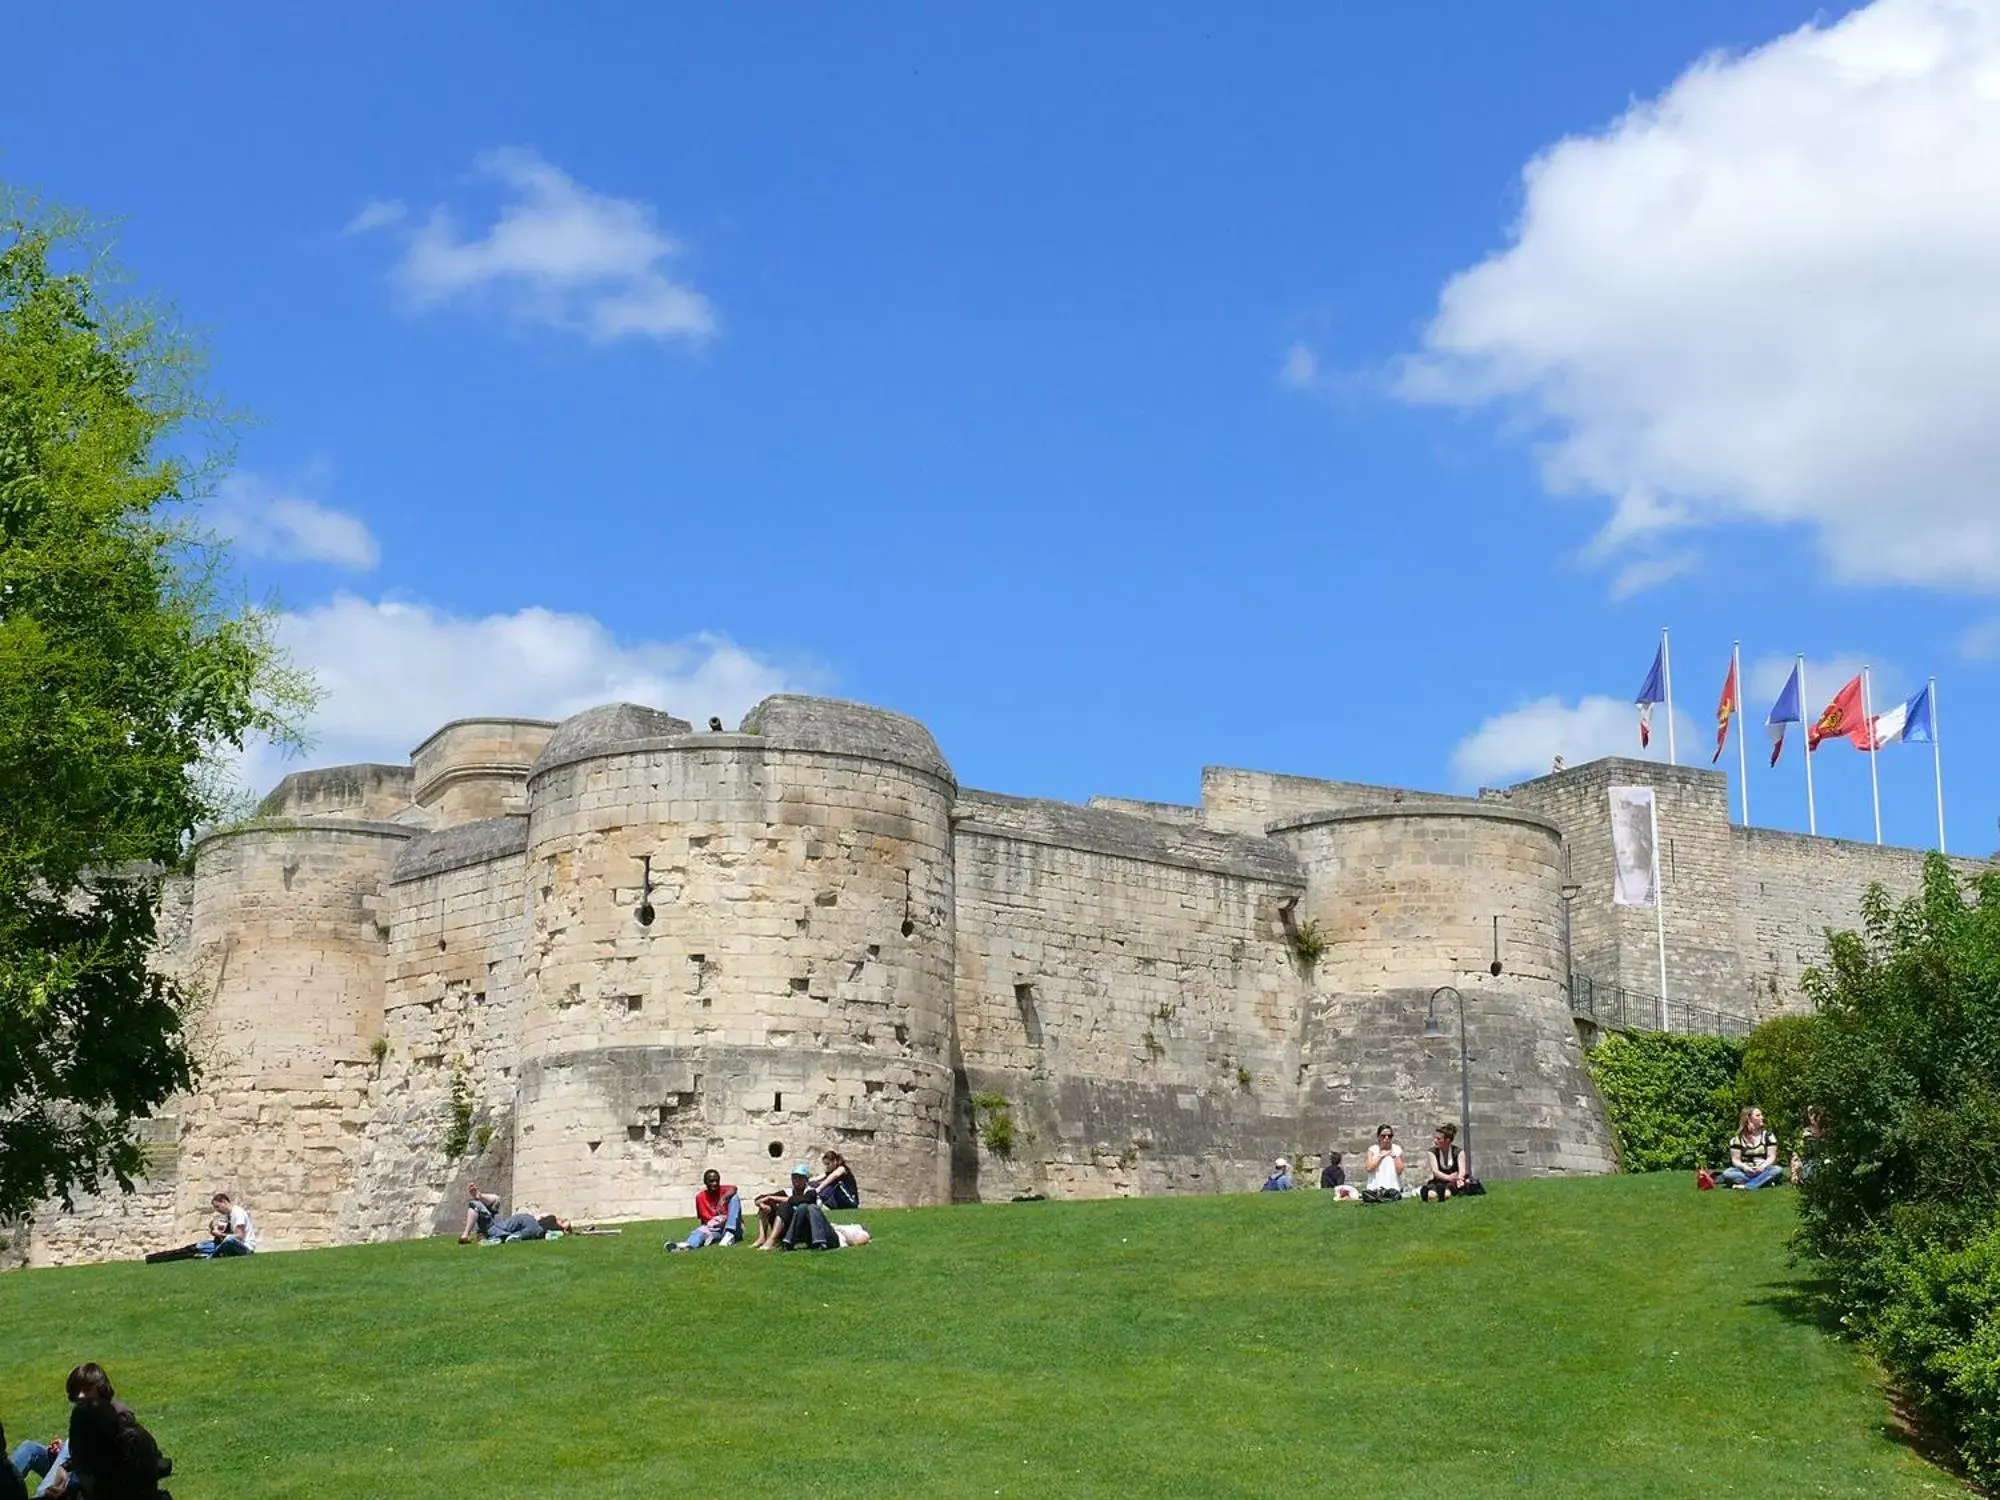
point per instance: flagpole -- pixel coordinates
(1805, 698)
(1742, 754)
(1937, 765)
(1868, 722)
(1659, 907)
(1667, 682)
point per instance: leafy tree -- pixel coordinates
(1777, 1067)
(1902, 1210)
(124, 680)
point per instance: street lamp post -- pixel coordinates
(1433, 1031)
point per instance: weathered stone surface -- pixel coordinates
(580, 963)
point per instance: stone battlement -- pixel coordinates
(583, 961)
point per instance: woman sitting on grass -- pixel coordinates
(837, 1186)
(1385, 1168)
(1753, 1153)
(1450, 1171)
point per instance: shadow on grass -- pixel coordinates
(1814, 1301)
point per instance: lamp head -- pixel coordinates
(1432, 1031)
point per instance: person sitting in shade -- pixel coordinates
(481, 1209)
(1753, 1153)
(1280, 1180)
(1805, 1160)
(718, 1215)
(775, 1211)
(837, 1185)
(1449, 1169)
(1385, 1168)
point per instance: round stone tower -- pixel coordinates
(476, 768)
(287, 943)
(1405, 898)
(739, 955)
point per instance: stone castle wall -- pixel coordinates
(582, 962)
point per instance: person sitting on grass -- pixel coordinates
(230, 1232)
(524, 1226)
(110, 1456)
(1449, 1170)
(1753, 1153)
(1805, 1160)
(13, 1477)
(718, 1215)
(480, 1211)
(1385, 1168)
(1280, 1180)
(837, 1186)
(775, 1211)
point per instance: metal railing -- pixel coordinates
(1619, 1008)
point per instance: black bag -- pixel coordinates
(1381, 1195)
(1473, 1188)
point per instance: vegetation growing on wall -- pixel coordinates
(458, 1135)
(993, 1117)
(1308, 944)
(1670, 1098)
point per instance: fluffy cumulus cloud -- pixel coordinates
(264, 519)
(1525, 741)
(390, 673)
(1769, 296)
(556, 254)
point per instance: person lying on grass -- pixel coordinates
(524, 1226)
(1753, 1153)
(837, 1185)
(775, 1211)
(718, 1215)
(1385, 1168)
(480, 1211)
(1449, 1170)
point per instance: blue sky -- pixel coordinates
(1116, 393)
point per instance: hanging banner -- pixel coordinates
(1634, 847)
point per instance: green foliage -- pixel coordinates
(1619, 1338)
(458, 1135)
(1901, 1208)
(1777, 1067)
(483, 1137)
(993, 1117)
(123, 683)
(1670, 1097)
(1308, 943)
(1938, 1332)
(379, 1049)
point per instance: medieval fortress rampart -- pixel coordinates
(583, 961)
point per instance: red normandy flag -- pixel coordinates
(1843, 719)
(1730, 706)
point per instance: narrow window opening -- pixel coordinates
(777, 1101)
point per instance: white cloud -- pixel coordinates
(376, 213)
(1981, 642)
(558, 254)
(1525, 741)
(1301, 368)
(390, 673)
(1650, 572)
(263, 519)
(1767, 296)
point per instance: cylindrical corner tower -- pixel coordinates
(1406, 898)
(476, 768)
(739, 955)
(287, 945)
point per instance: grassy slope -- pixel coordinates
(1615, 1337)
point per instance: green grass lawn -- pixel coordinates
(1621, 1337)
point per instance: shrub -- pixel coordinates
(1903, 1209)
(1777, 1062)
(1670, 1098)
(993, 1116)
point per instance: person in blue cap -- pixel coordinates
(775, 1210)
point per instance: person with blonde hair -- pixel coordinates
(1753, 1153)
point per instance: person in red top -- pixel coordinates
(718, 1215)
